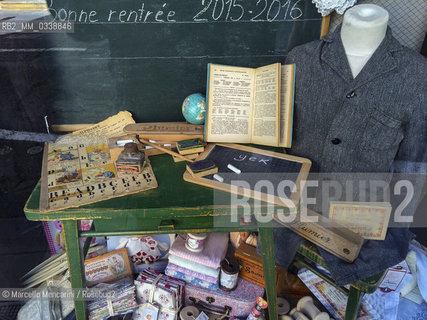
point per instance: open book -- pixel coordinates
(247, 105)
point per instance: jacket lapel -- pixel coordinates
(334, 56)
(380, 63)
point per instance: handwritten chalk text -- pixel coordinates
(204, 11)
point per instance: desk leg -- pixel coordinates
(75, 263)
(267, 247)
(353, 303)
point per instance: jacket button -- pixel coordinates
(336, 141)
(351, 95)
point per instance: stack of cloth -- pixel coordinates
(119, 298)
(154, 288)
(198, 268)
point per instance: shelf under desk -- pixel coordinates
(175, 206)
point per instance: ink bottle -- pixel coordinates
(131, 159)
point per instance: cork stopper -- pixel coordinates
(130, 147)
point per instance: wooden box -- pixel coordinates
(251, 269)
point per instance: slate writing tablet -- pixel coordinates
(265, 175)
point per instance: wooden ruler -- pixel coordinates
(170, 131)
(327, 234)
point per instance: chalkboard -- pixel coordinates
(253, 166)
(146, 56)
(264, 175)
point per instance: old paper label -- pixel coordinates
(109, 267)
(368, 219)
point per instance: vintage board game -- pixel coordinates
(80, 171)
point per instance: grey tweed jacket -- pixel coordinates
(376, 122)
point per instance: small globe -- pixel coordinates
(194, 108)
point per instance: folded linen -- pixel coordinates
(174, 267)
(190, 265)
(215, 248)
(192, 280)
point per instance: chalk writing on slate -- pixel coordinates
(254, 167)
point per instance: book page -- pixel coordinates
(265, 125)
(286, 104)
(230, 94)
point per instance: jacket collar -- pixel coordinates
(381, 62)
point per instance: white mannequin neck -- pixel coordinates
(363, 29)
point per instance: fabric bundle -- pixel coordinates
(120, 302)
(200, 269)
(192, 280)
(156, 289)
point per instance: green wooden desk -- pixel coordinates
(307, 254)
(175, 206)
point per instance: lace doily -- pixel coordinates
(325, 7)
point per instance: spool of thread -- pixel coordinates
(189, 313)
(285, 317)
(229, 274)
(195, 241)
(297, 315)
(283, 306)
(306, 305)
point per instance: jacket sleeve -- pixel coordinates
(410, 164)
(412, 153)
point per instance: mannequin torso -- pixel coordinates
(363, 29)
(373, 124)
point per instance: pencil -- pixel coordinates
(142, 140)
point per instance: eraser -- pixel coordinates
(191, 156)
(202, 168)
(190, 146)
